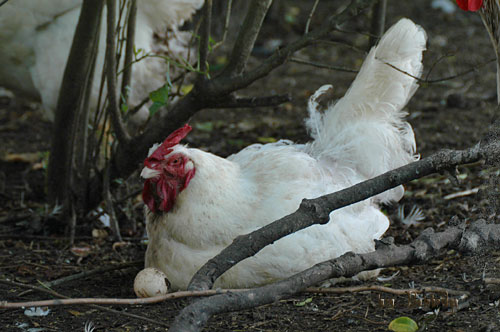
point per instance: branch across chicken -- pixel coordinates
(197, 202)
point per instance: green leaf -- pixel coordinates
(137, 51)
(303, 303)
(403, 324)
(211, 43)
(160, 95)
(159, 98)
(124, 108)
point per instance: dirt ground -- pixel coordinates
(450, 113)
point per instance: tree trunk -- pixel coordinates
(76, 75)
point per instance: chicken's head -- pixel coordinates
(167, 173)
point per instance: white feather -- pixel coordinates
(361, 136)
(373, 106)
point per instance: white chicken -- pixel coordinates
(197, 203)
(36, 36)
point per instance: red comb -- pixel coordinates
(164, 149)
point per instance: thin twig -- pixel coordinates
(435, 63)
(311, 14)
(341, 42)
(129, 50)
(107, 301)
(420, 80)
(138, 107)
(227, 20)
(383, 289)
(113, 108)
(320, 65)
(255, 101)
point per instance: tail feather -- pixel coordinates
(365, 130)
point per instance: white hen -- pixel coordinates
(197, 203)
(36, 36)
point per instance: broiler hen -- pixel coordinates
(197, 203)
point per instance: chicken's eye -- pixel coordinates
(175, 161)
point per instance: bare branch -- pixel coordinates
(69, 100)
(320, 65)
(311, 14)
(129, 49)
(317, 211)
(426, 246)
(389, 290)
(185, 294)
(226, 24)
(114, 301)
(255, 101)
(281, 55)
(438, 80)
(138, 107)
(205, 36)
(247, 36)
(113, 106)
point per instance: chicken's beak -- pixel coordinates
(148, 173)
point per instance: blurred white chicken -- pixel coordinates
(36, 36)
(197, 203)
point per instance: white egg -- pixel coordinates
(150, 282)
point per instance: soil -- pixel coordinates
(451, 113)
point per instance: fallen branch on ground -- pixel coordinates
(109, 301)
(389, 290)
(184, 294)
(479, 236)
